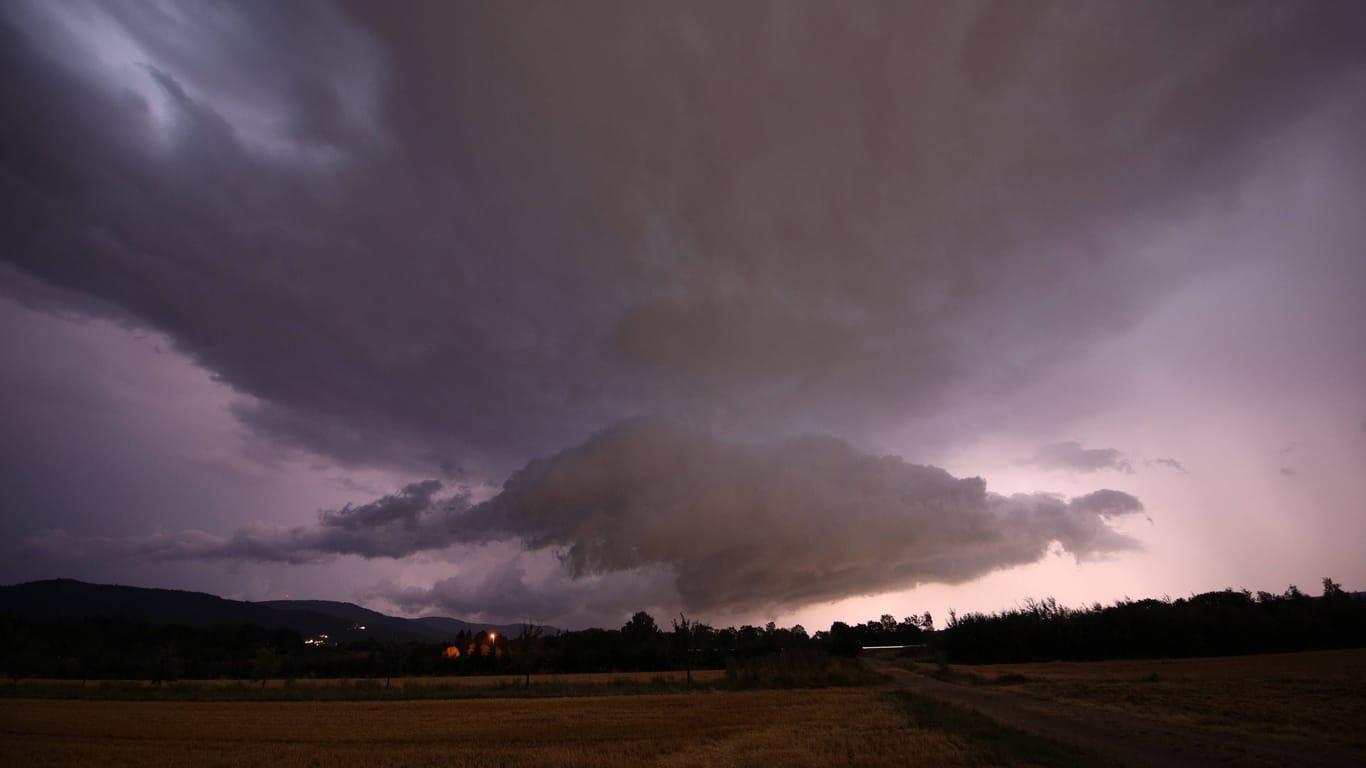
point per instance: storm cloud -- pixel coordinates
(691, 255)
(397, 525)
(520, 586)
(780, 523)
(734, 525)
(654, 209)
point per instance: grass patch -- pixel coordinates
(992, 743)
(799, 670)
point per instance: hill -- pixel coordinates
(70, 599)
(432, 628)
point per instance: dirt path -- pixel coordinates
(1125, 741)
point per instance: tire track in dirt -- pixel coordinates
(1122, 741)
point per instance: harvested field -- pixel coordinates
(1317, 698)
(1300, 709)
(1276, 709)
(761, 728)
(676, 677)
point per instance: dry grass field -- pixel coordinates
(678, 677)
(1304, 708)
(848, 726)
(1314, 700)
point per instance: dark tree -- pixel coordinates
(528, 646)
(640, 629)
(683, 636)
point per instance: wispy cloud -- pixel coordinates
(1171, 464)
(1070, 455)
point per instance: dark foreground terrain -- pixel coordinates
(1286, 709)
(1278, 709)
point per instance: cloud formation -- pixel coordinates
(733, 525)
(1070, 455)
(780, 523)
(807, 220)
(519, 586)
(1171, 464)
(394, 526)
(438, 240)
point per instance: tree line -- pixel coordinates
(117, 647)
(1223, 623)
(1215, 623)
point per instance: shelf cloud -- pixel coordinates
(736, 525)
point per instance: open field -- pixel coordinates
(1317, 697)
(355, 688)
(1290, 709)
(1305, 708)
(823, 727)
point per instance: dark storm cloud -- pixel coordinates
(424, 234)
(719, 525)
(1071, 455)
(421, 237)
(509, 591)
(397, 525)
(403, 509)
(784, 523)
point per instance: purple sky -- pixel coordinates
(791, 311)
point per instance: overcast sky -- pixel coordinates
(792, 311)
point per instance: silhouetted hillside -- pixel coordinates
(68, 599)
(446, 626)
(381, 626)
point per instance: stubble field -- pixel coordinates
(1316, 698)
(758, 728)
(1289, 709)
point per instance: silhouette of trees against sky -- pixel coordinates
(527, 646)
(683, 635)
(1225, 622)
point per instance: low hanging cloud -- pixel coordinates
(531, 586)
(748, 525)
(1070, 455)
(721, 525)
(409, 521)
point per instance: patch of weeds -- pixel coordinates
(993, 743)
(948, 674)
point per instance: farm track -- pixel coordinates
(1125, 741)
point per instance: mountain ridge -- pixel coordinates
(68, 599)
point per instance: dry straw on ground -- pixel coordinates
(1316, 700)
(758, 728)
